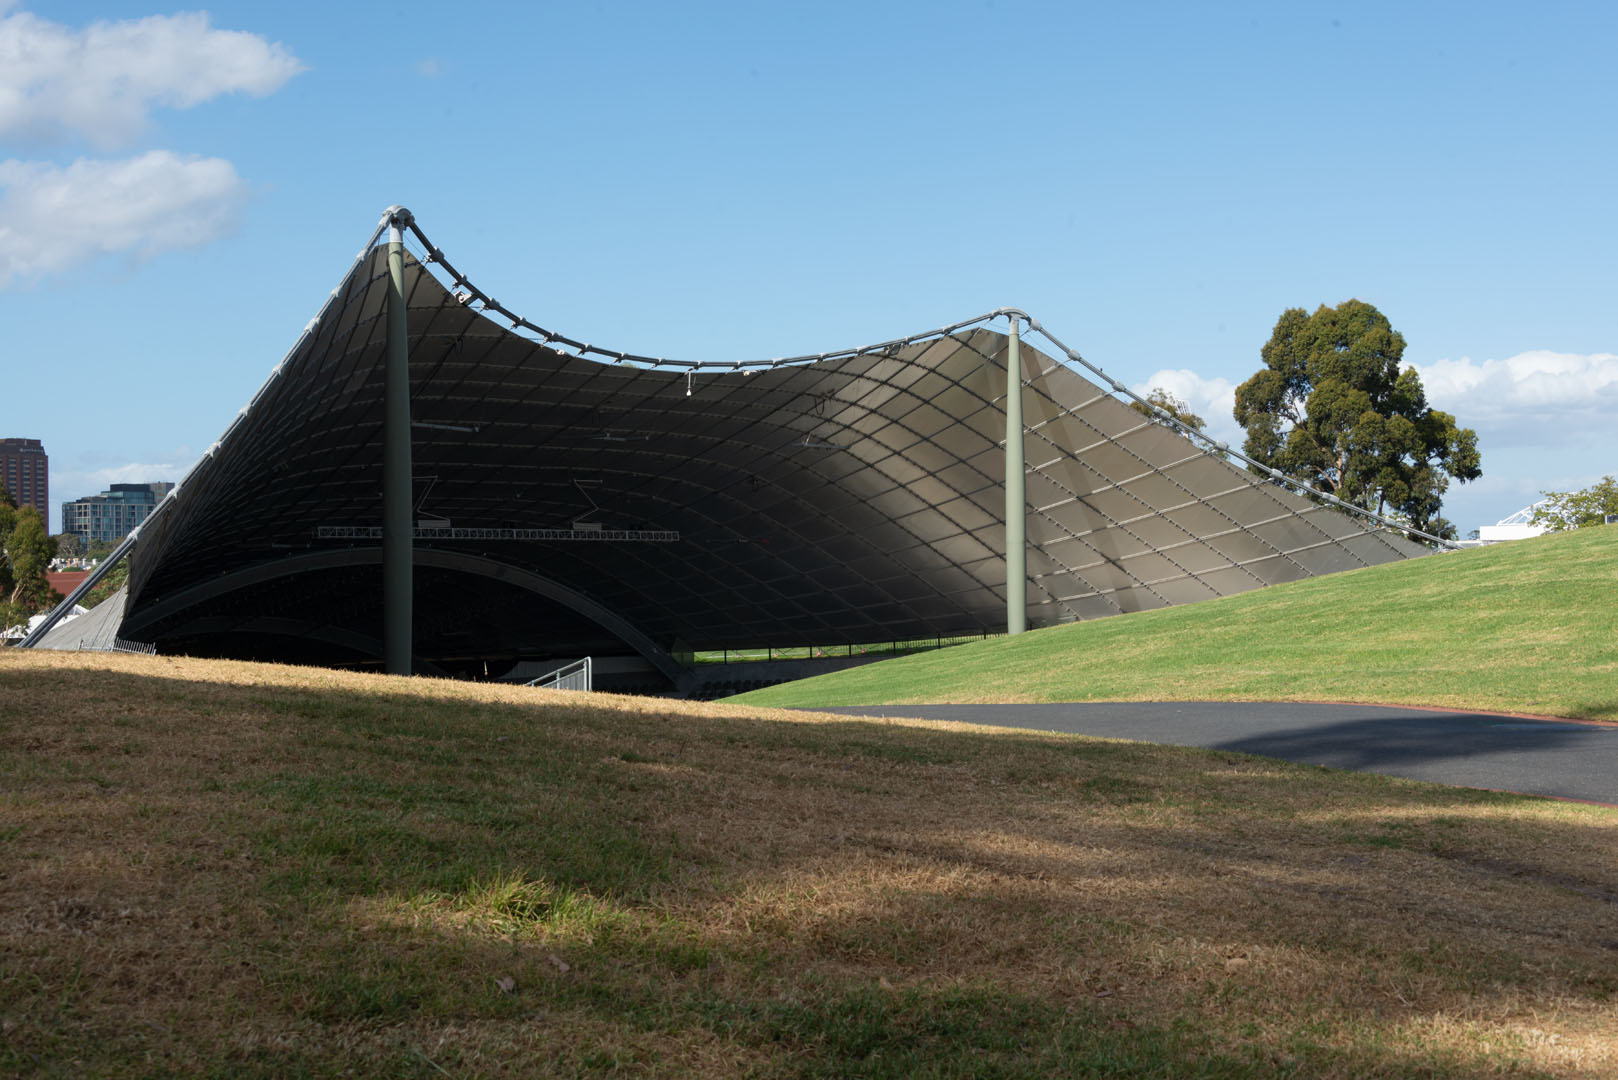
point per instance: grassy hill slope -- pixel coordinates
(218, 869)
(1530, 626)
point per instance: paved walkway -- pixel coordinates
(1538, 757)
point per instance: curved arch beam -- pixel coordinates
(571, 599)
(480, 565)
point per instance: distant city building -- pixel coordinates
(114, 512)
(25, 470)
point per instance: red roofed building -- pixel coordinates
(65, 581)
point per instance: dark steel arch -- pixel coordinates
(167, 608)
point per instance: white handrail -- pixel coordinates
(574, 676)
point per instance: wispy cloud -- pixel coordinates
(90, 481)
(53, 217)
(101, 82)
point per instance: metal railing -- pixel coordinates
(574, 676)
(831, 652)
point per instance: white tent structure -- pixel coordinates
(1518, 526)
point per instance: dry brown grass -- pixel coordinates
(211, 867)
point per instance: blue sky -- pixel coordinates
(1156, 183)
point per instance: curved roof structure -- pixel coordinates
(571, 500)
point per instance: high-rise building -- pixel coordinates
(111, 514)
(25, 471)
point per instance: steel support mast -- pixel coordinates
(398, 556)
(1016, 494)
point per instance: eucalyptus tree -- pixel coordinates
(1333, 405)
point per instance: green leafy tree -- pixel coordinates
(1564, 510)
(29, 550)
(100, 549)
(1175, 407)
(116, 578)
(1333, 406)
(8, 521)
(26, 551)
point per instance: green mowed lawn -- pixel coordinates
(1530, 626)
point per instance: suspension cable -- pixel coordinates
(467, 293)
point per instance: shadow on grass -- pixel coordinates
(1553, 758)
(786, 898)
(1570, 761)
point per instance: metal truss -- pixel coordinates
(375, 532)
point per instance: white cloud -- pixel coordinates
(1211, 399)
(1544, 423)
(100, 82)
(52, 217)
(1532, 380)
(1538, 398)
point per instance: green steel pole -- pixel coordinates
(398, 588)
(1016, 493)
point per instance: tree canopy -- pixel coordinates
(116, 578)
(8, 521)
(1564, 510)
(26, 551)
(1333, 406)
(1175, 407)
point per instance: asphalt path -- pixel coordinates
(1559, 758)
